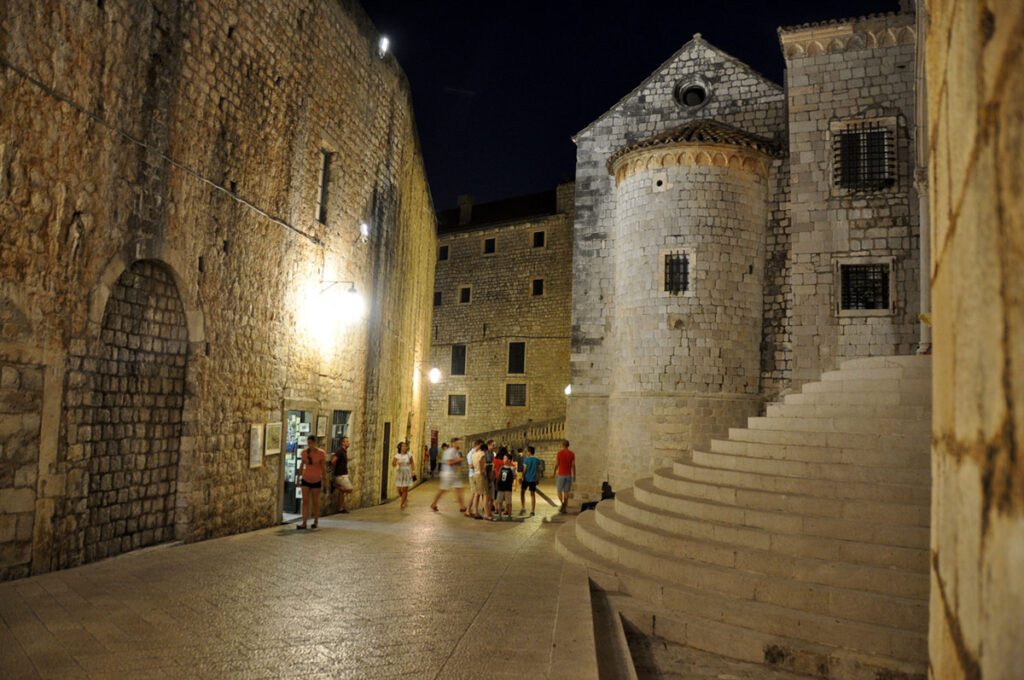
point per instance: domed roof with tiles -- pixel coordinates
(701, 132)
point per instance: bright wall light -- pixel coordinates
(568, 390)
(353, 307)
(383, 45)
(364, 230)
(434, 375)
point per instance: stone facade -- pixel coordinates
(765, 236)
(165, 277)
(975, 86)
(503, 309)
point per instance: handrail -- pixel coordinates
(533, 431)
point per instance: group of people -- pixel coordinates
(493, 473)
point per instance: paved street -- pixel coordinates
(379, 593)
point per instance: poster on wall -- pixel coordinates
(303, 428)
(273, 442)
(321, 426)
(255, 446)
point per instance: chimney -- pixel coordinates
(465, 209)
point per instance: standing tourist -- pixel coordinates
(451, 474)
(474, 498)
(565, 474)
(481, 486)
(531, 475)
(313, 472)
(506, 478)
(404, 478)
(341, 480)
(433, 456)
(488, 450)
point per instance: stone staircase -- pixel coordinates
(800, 542)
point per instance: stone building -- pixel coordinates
(188, 194)
(735, 238)
(502, 302)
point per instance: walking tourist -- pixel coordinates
(531, 475)
(565, 474)
(506, 478)
(313, 472)
(451, 474)
(341, 480)
(406, 469)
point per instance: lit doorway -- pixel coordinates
(300, 425)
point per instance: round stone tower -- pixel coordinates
(691, 210)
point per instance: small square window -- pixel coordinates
(437, 298)
(515, 395)
(538, 287)
(458, 360)
(864, 286)
(464, 294)
(864, 157)
(539, 239)
(517, 357)
(489, 246)
(677, 273)
(456, 404)
(442, 253)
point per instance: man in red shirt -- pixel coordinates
(565, 474)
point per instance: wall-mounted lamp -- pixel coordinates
(382, 46)
(568, 390)
(352, 304)
(434, 375)
(364, 230)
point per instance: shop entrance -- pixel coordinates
(300, 424)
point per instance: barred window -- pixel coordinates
(864, 286)
(458, 360)
(515, 395)
(864, 158)
(677, 273)
(456, 404)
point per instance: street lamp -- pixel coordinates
(434, 375)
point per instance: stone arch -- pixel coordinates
(131, 421)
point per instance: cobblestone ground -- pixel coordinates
(378, 593)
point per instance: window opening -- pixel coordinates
(489, 246)
(538, 287)
(437, 298)
(515, 395)
(517, 357)
(325, 178)
(539, 239)
(677, 273)
(864, 286)
(864, 158)
(456, 404)
(464, 294)
(458, 360)
(442, 253)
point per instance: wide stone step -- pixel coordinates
(845, 424)
(809, 506)
(753, 538)
(833, 440)
(917, 412)
(739, 584)
(841, 472)
(899, 361)
(851, 528)
(914, 372)
(858, 398)
(886, 457)
(884, 580)
(771, 620)
(906, 386)
(882, 490)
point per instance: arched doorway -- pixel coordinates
(134, 413)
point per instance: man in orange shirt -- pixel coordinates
(565, 474)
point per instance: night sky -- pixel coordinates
(500, 87)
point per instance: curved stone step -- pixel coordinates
(806, 485)
(864, 441)
(888, 581)
(846, 424)
(841, 383)
(853, 528)
(819, 396)
(889, 458)
(808, 506)
(740, 584)
(919, 476)
(866, 411)
(808, 631)
(913, 372)
(898, 361)
(816, 547)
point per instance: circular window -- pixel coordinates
(692, 94)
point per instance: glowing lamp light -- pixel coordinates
(364, 230)
(434, 375)
(568, 390)
(353, 307)
(383, 45)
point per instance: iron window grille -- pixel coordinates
(677, 273)
(458, 360)
(517, 357)
(864, 158)
(515, 395)
(864, 286)
(456, 404)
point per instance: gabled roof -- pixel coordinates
(695, 41)
(701, 131)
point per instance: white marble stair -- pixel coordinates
(801, 541)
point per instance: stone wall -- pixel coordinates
(503, 309)
(189, 137)
(836, 73)
(975, 71)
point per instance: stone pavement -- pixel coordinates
(378, 593)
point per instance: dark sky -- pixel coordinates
(501, 87)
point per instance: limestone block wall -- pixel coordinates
(502, 309)
(739, 97)
(975, 72)
(837, 73)
(190, 137)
